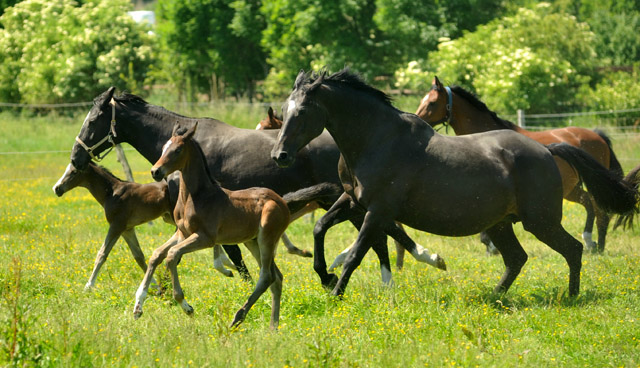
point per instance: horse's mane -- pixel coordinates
(203, 157)
(130, 100)
(475, 102)
(347, 78)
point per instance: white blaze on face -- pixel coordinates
(291, 106)
(166, 146)
(66, 172)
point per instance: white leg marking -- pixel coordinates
(588, 239)
(339, 261)
(423, 255)
(386, 276)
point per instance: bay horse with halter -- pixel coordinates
(207, 214)
(126, 205)
(402, 170)
(238, 158)
(466, 114)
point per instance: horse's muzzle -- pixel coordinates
(282, 158)
(57, 189)
(157, 173)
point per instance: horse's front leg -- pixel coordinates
(339, 212)
(219, 259)
(191, 244)
(370, 233)
(110, 240)
(156, 258)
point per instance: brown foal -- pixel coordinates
(207, 214)
(126, 205)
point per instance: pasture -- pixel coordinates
(427, 318)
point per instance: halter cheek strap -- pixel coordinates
(447, 118)
(108, 138)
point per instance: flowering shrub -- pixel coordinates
(57, 51)
(535, 60)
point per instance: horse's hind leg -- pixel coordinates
(578, 195)
(218, 261)
(292, 249)
(265, 280)
(233, 251)
(513, 255)
(112, 237)
(559, 240)
(602, 223)
(276, 294)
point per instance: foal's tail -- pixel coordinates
(614, 164)
(611, 193)
(318, 193)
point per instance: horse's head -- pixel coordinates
(303, 119)
(97, 132)
(270, 122)
(175, 152)
(435, 107)
(71, 178)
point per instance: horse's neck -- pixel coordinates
(147, 131)
(100, 184)
(195, 179)
(467, 119)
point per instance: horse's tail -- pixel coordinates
(611, 193)
(614, 164)
(320, 192)
(632, 179)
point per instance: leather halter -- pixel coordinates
(447, 118)
(108, 138)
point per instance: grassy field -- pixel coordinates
(427, 318)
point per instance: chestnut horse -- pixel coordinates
(466, 114)
(402, 170)
(207, 214)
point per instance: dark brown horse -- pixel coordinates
(402, 170)
(467, 115)
(238, 158)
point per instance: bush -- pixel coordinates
(56, 51)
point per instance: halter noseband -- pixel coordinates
(108, 138)
(447, 118)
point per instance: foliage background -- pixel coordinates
(556, 56)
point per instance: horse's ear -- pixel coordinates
(176, 126)
(299, 79)
(270, 113)
(105, 98)
(319, 80)
(436, 82)
(189, 133)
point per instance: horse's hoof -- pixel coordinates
(230, 274)
(137, 312)
(88, 287)
(440, 263)
(238, 318)
(330, 281)
(306, 254)
(186, 307)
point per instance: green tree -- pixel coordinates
(534, 60)
(211, 44)
(56, 51)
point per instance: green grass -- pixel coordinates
(428, 318)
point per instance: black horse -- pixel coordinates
(237, 158)
(400, 169)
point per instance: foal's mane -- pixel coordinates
(475, 102)
(203, 159)
(105, 170)
(345, 77)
